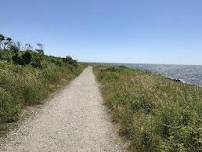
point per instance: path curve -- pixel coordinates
(74, 120)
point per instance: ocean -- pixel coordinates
(191, 74)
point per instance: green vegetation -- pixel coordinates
(27, 77)
(154, 113)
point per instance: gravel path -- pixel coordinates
(74, 120)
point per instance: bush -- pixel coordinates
(69, 60)
(27, 57)
(17, 60)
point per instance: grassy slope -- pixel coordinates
(155, 114)
(26, 85)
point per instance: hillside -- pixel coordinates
(154, 113)
(29, 76)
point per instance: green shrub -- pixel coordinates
(69, 60)
(27, 57)
(17, 60)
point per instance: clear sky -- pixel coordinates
(131, 31)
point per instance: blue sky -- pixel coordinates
(131, 31)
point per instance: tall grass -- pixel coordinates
(26, 85)
(155, 113)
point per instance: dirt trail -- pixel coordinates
(74, 120)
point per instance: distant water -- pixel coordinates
(187, 73)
